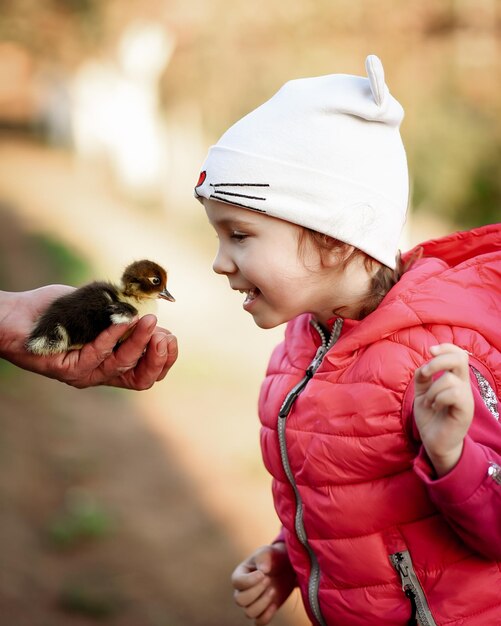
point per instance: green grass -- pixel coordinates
(91, 598)
(63, 264)
(82, 518)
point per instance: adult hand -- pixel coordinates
(142, 359)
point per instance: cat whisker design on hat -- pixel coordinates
(223, 192)
(364, 401)
(331, 151)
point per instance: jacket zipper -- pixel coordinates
(411, 586)
(314, 579)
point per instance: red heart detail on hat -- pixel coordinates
(201, 178)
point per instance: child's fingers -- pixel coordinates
(442, 348)
(448, 359)
(243, 578)
(421, 381)
(259, 607)
(249, 595)
(454, 361)
(446, 381)
(266, 617)
(445, 399)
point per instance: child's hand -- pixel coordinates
(263, 582)
(443, 407)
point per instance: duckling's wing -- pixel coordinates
(121, 312)
(75, 319)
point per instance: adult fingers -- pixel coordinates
(153, 363)
(134, 345)
(102, 364)
(172, 353)
(93, 354)
(127, 355)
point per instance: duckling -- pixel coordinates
(78, 317)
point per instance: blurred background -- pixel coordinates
(132, 509)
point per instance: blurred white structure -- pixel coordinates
(116, 112)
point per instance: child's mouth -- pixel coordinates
(252, 294)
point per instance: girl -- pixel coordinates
(379, 410)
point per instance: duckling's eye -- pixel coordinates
(155, 280)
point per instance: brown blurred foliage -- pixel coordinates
(441, 58)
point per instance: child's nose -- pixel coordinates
(223, 263)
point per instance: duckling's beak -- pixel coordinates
(165, 295)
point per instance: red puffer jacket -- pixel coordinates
(374, 540)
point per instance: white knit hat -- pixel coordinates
(324, 153)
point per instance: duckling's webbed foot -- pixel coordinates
(121, 312)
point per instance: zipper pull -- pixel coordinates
(403, 569)
(412, 589)
(326, 344)
(315, 364)
(295, 391)
(292, 396)
(413, 618)
(407, 586)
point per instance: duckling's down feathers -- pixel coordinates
(79, 317)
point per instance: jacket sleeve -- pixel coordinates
(280, 538)
(469, 496)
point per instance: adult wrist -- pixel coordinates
(7, 314)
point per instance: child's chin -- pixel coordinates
(266, 324)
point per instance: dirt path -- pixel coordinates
(178, 466)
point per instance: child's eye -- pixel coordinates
(238, 236)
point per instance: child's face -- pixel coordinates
(259, 255)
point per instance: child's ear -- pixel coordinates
(338, 255)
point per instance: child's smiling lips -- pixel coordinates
(251, 295)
